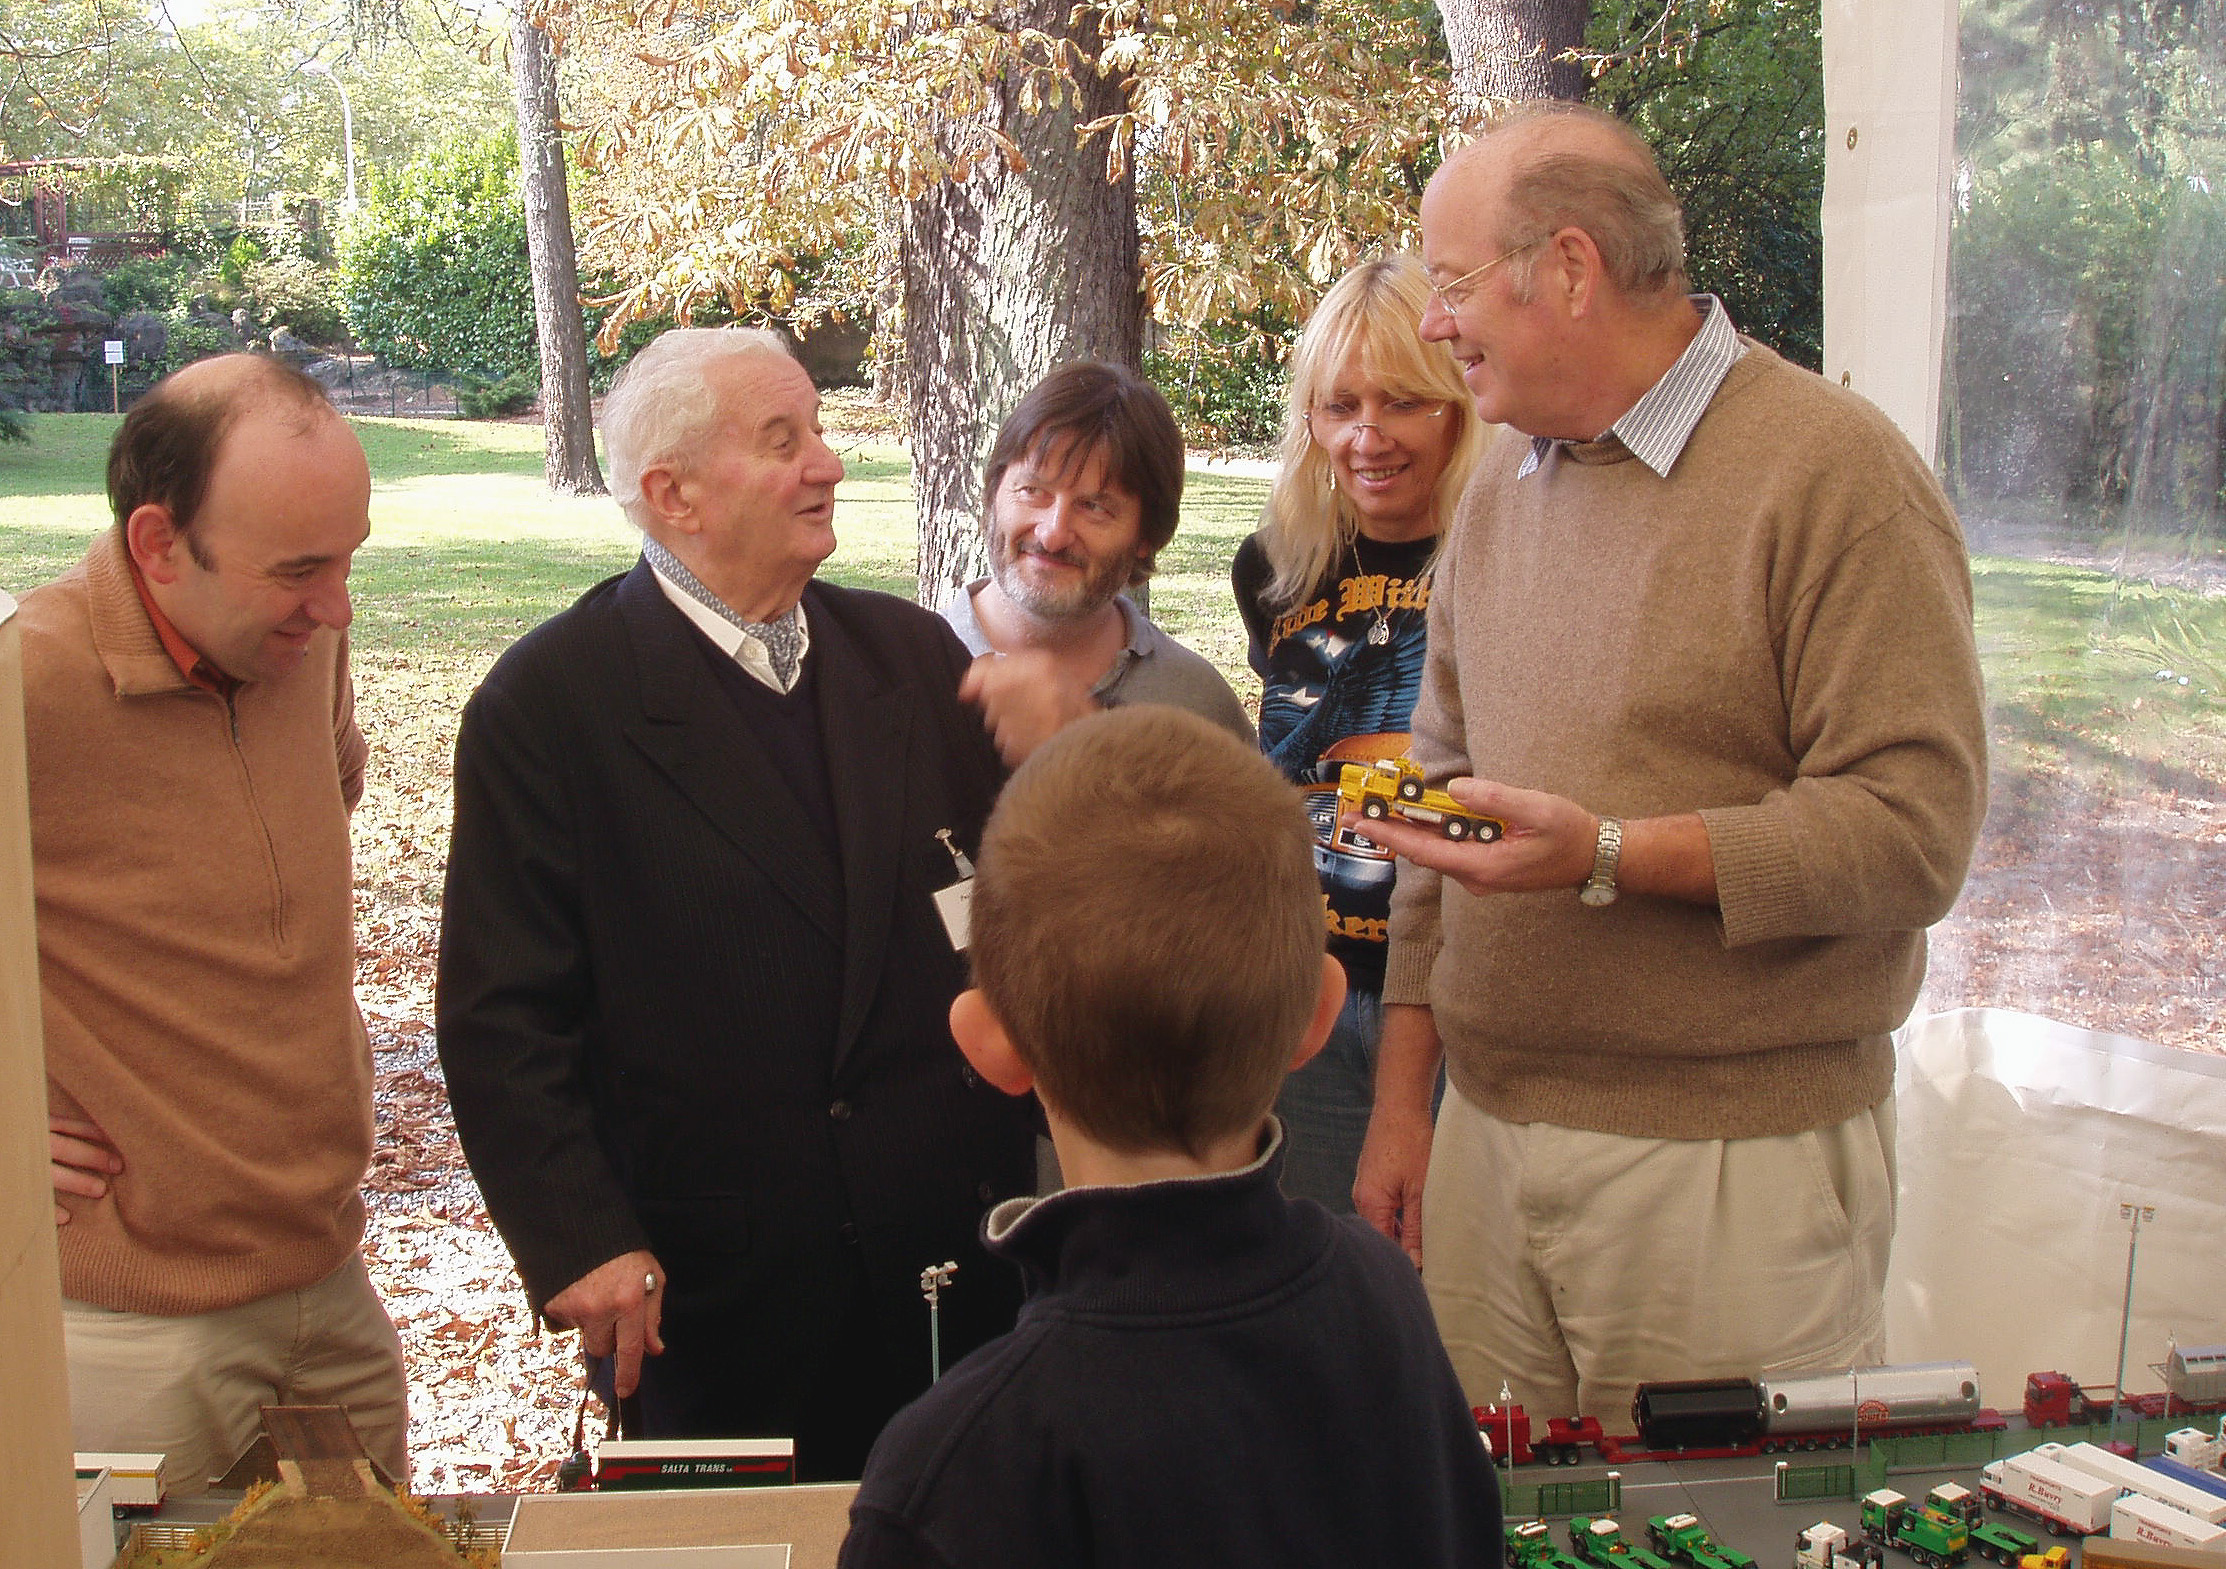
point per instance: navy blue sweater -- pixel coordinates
(1205, 1373)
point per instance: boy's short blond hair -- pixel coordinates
(1148, 928)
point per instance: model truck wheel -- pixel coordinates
(1410, 789)
(1456, 827)
(1374, 806)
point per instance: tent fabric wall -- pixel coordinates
(2019, 1139)
(1889, 141)
(38, 1498)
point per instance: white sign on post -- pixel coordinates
(114, 350)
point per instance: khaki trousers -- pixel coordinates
(1574, 1266)
(192, 1387)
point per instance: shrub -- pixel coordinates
(144, 283)
(433, 271)
(295, 293)
(244, 252)
(194, 338)
(1226, 383)
(479, 398)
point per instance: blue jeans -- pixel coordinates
(1325, 1105)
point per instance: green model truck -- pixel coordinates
(1531, 1546)
(1934, 1537)
(1601, 1544)
(1683, 1539)
(1989, 1540)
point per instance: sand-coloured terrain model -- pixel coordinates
(327, 1510)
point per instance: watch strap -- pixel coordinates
(1607, 856)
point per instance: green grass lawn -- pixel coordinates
(2073, 660)
(467, 551)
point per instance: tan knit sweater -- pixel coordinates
(1777, 636)
(196, 951)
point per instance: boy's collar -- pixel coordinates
(1001, 1221)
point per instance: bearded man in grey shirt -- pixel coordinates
(1080, 493)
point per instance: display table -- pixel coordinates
(626, 1529)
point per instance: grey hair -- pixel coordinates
(662, 404)
(1622, 202)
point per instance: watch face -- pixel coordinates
(1597, 894)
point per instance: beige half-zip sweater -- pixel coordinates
(1777, 636)
(191, 865)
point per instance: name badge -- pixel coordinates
(956, 903)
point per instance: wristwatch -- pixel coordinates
(1607, 851)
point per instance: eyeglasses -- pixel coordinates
(1400, 419)
(1442, 295)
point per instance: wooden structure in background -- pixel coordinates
(38, 1476)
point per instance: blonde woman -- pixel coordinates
(1379, 439)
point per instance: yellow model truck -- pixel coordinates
(1393, 787)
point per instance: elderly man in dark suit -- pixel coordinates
(694, 974)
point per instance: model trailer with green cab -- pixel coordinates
(1934, 1537)
(1530, 1545)
(1601, 1544)
(1998, 1543)
(1681, 1538)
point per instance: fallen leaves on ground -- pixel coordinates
(2103, 909)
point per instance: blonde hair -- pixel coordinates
(1147, 926)
(1378, 308)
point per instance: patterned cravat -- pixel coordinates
(783, 640)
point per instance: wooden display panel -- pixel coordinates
(38, 1476)
(811, 1520)
(2104, 1552)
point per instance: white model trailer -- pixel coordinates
(2148, 1482)
(2049, 1491)
(2134, 1518)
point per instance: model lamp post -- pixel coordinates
(347, 126)
(932, 1281)
(2135, 1213)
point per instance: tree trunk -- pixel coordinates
(1507, 50)
(1007, 276)
(567, 411)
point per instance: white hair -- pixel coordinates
(662, 405)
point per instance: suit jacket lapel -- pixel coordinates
(865, 725)
(688, 728)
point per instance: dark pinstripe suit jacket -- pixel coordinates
(671, 1019)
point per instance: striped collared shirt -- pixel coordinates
(1656, 428)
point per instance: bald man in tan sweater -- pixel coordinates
(193, 759)
(1702, 640)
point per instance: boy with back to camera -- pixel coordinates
(1205, 1372)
